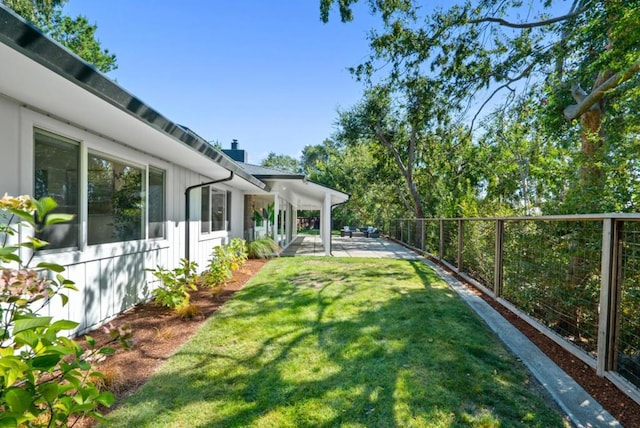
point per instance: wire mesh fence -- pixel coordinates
(578, 276)
(551, 271)
(628, 343)
(478, 250)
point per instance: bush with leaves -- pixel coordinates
(224, 260)
(239, 252)
(263, 248)
(175, 284)
(45, 376)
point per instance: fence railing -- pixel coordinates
(574, 278)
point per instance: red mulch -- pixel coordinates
(159, 331)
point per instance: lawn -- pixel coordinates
(320, 342)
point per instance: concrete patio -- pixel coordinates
(358, 246)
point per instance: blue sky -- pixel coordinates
(268, 73)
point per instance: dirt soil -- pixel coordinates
(159, 331)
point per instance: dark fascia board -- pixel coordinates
(279, 177)
(18, 34)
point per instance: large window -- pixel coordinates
(157, 216)
(115, 201)
(56, 174)
(213, 210)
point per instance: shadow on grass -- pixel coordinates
(352, 347)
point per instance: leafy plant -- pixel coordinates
(224, 260)
(45, 377)
(262, 248)
(188, 311)
(175, 284)
(238, 249)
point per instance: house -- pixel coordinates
(144, 190)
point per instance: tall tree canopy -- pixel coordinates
(281, 162)
(76, 34)
(580, 60)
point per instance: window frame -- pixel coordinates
(211, 192)
(77, 144)
(150, 168)
(144, 179)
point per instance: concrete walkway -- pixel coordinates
(581, 409)
(358, 246)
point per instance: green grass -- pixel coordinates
(323, 342)
(316, 232)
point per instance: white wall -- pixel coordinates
(110, 277)
(9, 146)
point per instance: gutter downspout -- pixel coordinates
(187, 194)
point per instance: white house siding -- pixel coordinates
(110, 277)
(9, 145)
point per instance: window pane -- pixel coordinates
(115, 201)
(218, 214)
(56, 162)
(205, 216)
(156, 203)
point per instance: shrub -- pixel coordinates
(262, 248)
(45, 377)
(238, 250)
(224, 260)
(175, 284)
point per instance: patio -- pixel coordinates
(358, 246)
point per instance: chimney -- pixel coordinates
(235, 153)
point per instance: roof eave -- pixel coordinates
(26, 39)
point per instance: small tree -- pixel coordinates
(45, 377)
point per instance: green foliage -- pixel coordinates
(175, 284)
(262, 248)
(224, 260)
(45, 377)
(563, 139)
(283, 163)
(76, 34)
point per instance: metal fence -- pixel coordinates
(575, 278)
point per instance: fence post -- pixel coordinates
(609, 292)
(460, 243)
(422, 234)
(497, 272)
(441, 249)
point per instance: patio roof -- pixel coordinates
(305, 194)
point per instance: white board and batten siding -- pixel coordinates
(110, 277)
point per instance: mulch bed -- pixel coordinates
(158, 332)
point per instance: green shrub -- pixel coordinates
(45, 377)
(238, 249)
(175, 284)
(262, 248)
(224, 260)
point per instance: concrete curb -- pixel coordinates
(581, 409)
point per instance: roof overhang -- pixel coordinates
(43, 76)
(304, 194)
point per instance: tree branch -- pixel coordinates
(524, 25)
(589, 100)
